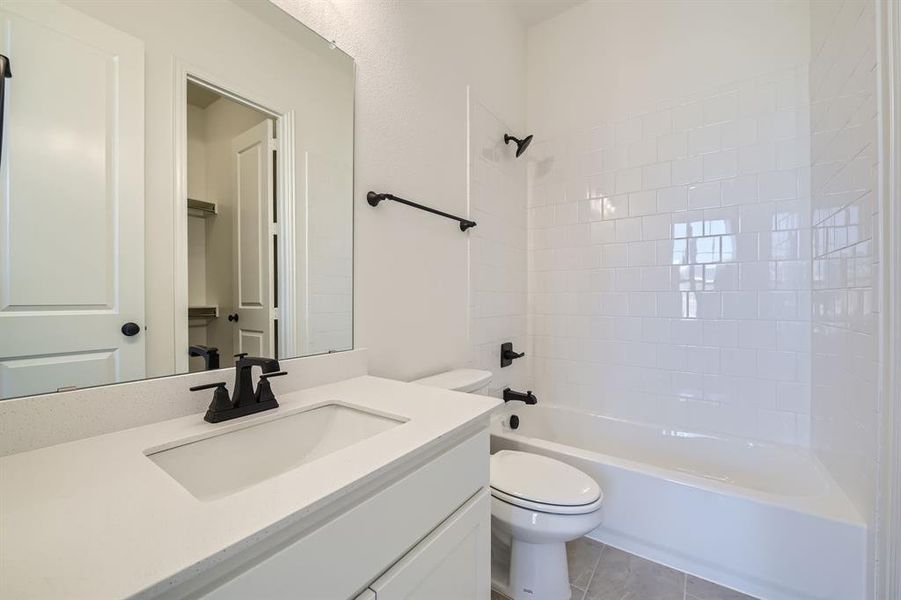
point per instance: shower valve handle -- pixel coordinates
(508, 355)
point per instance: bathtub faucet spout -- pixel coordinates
(528, 397)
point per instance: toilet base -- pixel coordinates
(538, 571)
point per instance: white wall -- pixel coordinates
(414, 62)
(669, 214)
(196, 160)
(846, 246)
(329, 287)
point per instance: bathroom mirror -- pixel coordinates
(175, 188)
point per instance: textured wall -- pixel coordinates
(414, 62)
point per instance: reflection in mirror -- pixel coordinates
(169, 196)
(231, 206)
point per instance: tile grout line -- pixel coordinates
(594, 571)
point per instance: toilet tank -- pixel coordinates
(458, 380)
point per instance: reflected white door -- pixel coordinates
(71, 201)
(254, 278)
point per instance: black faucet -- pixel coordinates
(528, 397)
(210, 356)
(244, 401)
(244, 393)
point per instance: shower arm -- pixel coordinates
(373, 199)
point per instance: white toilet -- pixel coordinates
(537, 505)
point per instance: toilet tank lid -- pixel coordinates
(459, 380)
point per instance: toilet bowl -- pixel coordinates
(537, 505)
(541, 503)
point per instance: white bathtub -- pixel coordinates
(760, 518)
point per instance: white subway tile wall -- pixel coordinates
(329, 285)
(497, 192)
(669, 262)
(845, 298)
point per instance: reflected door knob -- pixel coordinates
(130, 329)
(233, 317)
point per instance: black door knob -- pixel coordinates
(233, 317)
(131, 329)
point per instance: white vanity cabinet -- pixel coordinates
(453, 562)
(424, 536)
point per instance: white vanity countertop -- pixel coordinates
(95, 518)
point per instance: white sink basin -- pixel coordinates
(235, 459)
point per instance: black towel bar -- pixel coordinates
(374, 199)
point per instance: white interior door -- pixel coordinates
(71, 201)
(254, 277)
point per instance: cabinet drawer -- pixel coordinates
(453, 562)
(339, 559)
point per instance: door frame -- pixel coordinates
(289, 327)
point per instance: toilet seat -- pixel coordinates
(542, 484)
(553, 509)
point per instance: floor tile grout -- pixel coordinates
(641, 566)
(597, 564)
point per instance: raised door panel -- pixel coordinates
(451, 563)
(58, 179)
(253, 240)
(34, 375)
(71, 201)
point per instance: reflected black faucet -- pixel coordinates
(210, 356)
(244, 401)
(528, 397)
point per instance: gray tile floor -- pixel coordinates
(599, 572)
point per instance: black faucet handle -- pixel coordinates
(508, 355)
(221, 402)
(264, 393)
(207, 386)
(276, 374)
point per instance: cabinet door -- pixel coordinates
(341, 557)
(451, 563)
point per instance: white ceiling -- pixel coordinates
(532, 12)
